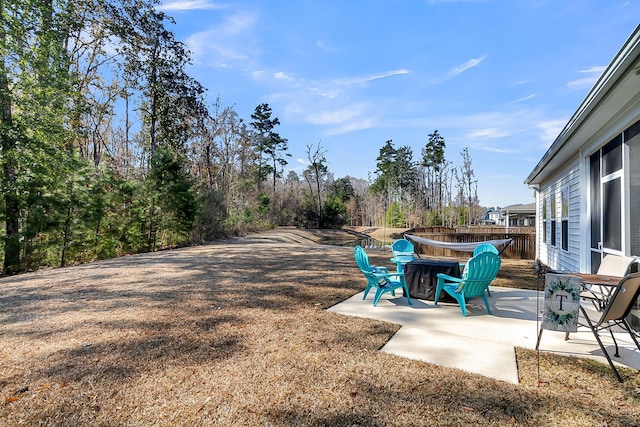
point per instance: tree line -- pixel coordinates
(109, 147)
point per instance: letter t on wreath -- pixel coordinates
(561, 303)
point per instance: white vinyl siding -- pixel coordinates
(551, 253)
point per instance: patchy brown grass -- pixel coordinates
(236, 333)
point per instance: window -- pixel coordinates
(612, 156)
(594, 177)
(545, 218)
(612, 214)
(612, 194)
(564, 215)
(632, 139)
(554, 213)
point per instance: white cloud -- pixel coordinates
(387, 74)
(586, 82)
(489, 133)
(267, 77)
(353, 126)
(334, 115)
(329, 104)
(500, 131)
(258, 74)
(583, 83)
(279, 75)
(333, 89)
(473, 62)
(494, 149)
(366, 79)
(190, 5)
(328, 93)
(337, 116)
(325, 47)
(526, 98)
(550, 129)
(599, 69)
(229, 42)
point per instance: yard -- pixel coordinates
(236, 333)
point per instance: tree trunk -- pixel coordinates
(275, 175)
(66, 237)
(320, 219)
(153, 113)
(8, 144)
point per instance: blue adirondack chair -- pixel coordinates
(479, 273)
(402, 251)
(402, 247)
(379, 280)
(485, 247)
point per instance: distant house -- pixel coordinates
(494, 216)
(519, 215)
(587, 185)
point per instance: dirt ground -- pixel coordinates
(380, 233)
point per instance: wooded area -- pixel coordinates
(109, 147)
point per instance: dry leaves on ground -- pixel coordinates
(236, 333)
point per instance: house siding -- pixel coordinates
(554, 256)
(611, 107)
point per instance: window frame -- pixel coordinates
(554, 214)
(545, 218)
(564, 218)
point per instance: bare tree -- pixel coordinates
(468, 197)
(315, 174)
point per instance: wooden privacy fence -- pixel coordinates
(522, 247)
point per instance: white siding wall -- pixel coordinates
(554, 256)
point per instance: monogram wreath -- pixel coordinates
(570, 318)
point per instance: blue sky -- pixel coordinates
(501, 77)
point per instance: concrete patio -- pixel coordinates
(480, 343)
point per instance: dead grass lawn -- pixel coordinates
(236, 333)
